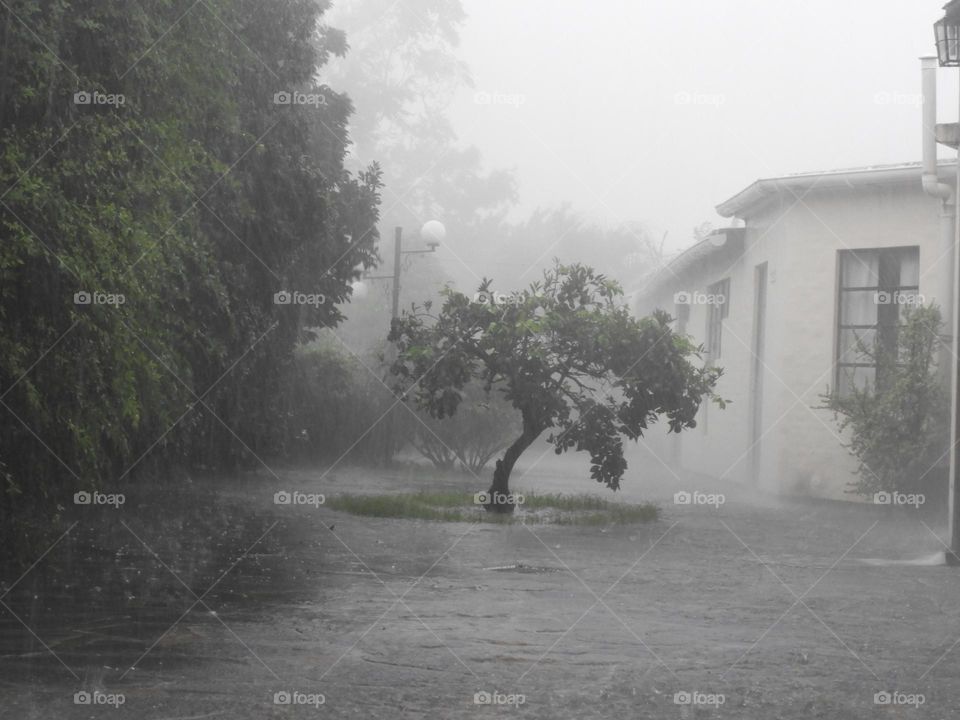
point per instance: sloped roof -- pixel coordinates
(755, 194)
(741, 205)
(724, 241)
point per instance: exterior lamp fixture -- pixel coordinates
(947, 33)
(433, 232)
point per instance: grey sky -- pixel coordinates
(657, 110)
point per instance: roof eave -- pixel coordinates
(754, 195)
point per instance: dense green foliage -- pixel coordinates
(340, 407)
(567, 355)
(185, 190)
(899, 427)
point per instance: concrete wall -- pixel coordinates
(801, 449)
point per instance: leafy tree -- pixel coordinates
(196, 199)
(402, 70)
(899, 425)
(567, 356)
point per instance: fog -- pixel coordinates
(404, 358)
(773, 88)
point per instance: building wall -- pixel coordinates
(812, 459)
(716, 447)
(801, 450)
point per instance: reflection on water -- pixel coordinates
(113, 586)
(931, 560)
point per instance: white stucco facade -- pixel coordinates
(771, 434)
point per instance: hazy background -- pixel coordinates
(774, 88)
(607, 133)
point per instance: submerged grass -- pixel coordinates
(451, 506)
(420, 506)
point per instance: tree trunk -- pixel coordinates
(499, 499)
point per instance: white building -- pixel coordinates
(808, 269)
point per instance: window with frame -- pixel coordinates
(718, 309)
(874, 287)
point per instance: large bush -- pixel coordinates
(338, 407)
(484, 425)
(899, 425)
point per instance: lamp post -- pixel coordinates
(947, 35)
(433, 232)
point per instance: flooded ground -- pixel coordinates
(212, 606)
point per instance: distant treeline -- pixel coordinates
(174, 213)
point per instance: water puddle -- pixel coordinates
(521, 568)
(933, 560)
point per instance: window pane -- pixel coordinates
(887, 271)
(860, 269)
(858, 307)
(714, 327)
(861, 377)
(716, 312)
(852, 351)
(683, 316)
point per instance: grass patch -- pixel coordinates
(450, 506)
(419, 506)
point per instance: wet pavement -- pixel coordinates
(223, 604)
